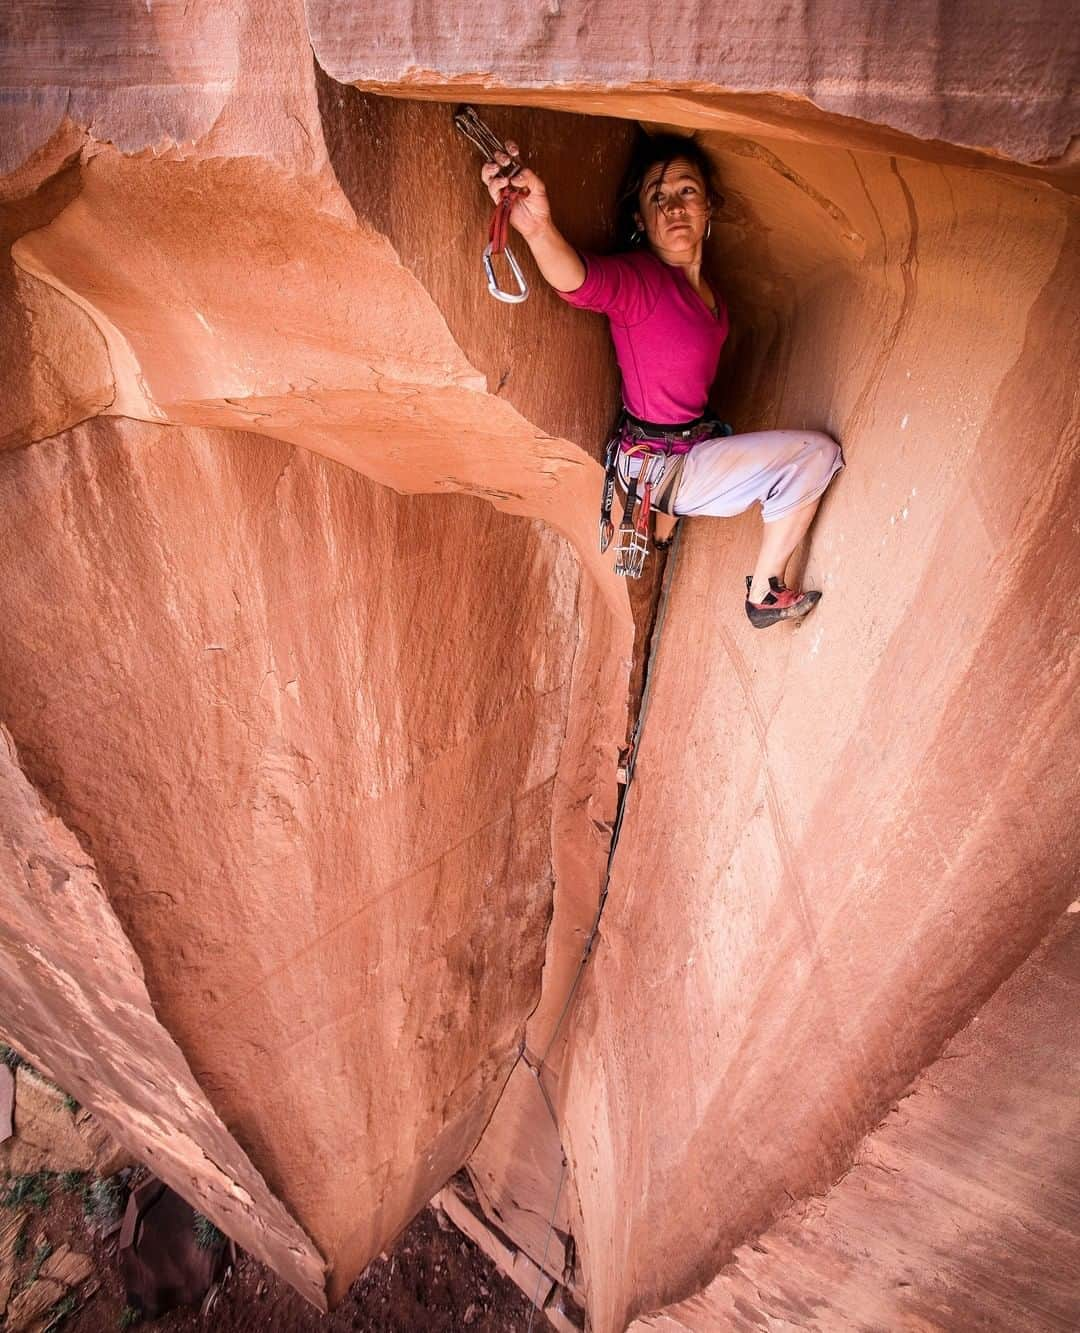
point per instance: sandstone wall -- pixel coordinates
(226, 663)
(75, 995)
(871, 826)
(960, 71)
(312, 650)
(960, 1210)
(216, 268)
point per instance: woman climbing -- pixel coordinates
(668, 327)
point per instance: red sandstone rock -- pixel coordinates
(67, 1266)
(515, 1170)
(874, 821)
(58, 372)
(51, 1137)
(349, 949)
(961, 71)
(7, 1103)
(11, 1228)
(263, 690)
(26, 1310)
(961, 1210)
(74, 990)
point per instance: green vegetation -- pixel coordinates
(207, 1236)
(10, 1057)
(71, 1182)
(60, 1311)
(71, 1103)
(104, 1199)
(128, 1316)
(40, 1255)
(32, 1188)
(22, 1241)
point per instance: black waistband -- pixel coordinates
(662, 428)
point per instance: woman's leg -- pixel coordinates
(787, 471)
(778, 542)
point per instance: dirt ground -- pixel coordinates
(433, 1280)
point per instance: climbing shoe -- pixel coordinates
(780, 603)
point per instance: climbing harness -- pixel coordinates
(661, 451)
(483, 138)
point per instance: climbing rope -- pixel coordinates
(627, 764)
(547, 1242)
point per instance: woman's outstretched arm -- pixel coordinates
(555, 257)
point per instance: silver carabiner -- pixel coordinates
(511, 298)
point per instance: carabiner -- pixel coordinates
(511, 298)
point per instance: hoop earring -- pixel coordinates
(636, 235)
(708, 229)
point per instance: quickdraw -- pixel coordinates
(633, 541)
(489, 144)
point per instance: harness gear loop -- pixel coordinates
(607, 495)
(662, 449)
(633, 540)
(489, 144)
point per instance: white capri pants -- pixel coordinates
(780, 469)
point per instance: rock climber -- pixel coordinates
(668, 327)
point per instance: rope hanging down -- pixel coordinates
(627, 763)
(489, 144)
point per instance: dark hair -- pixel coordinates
(648, 151)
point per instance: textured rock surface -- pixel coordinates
(967, 72)
(347, 951)
(962, 1209)
(874, 823)
(233, 285)
(49, 1136)
(58, 372)
(74, 992)
(338, 756)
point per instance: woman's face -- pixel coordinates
(673, 207)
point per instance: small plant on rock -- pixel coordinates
(104, 1200)
(10, 1057)
(207, 1236)
(128, 1316)
(71, 1182)
(40, 1255)
(32, 1189)
(71, 1103)
(60, 1311)
(22, 1242)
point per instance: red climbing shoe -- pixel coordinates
(780, 604)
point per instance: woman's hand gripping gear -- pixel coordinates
(521, 201)
(530, 213)
(482, 137)
(530, 216)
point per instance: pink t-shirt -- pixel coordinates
(667, 340)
